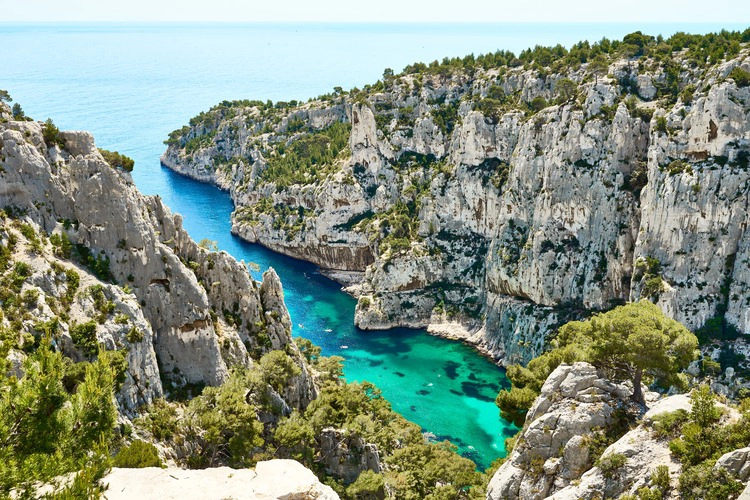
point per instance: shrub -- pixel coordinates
(369, 485)
(653, 287)
(661, 124)
(277, 368)
(51, 134)
(710, 367)
(740, 76)
(134, 335)
(660, 478)
(702, 482)
(611, 464)
(137, 455)
(669, 424)
(117, 160)
(61, 244)
(18, 113)
(84, 336)
(160, 419)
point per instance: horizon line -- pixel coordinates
(225, 22)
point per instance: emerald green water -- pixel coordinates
(444, 386)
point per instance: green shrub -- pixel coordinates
(61, 244)
(137, 455)
(51, 134)
(47, 432)
(84, 336)
(117, 160)
(710, 367)
(661, 124)
(134, 335)
(652, 287)
(669, 424)
(703, 483)
(160, 419)
(277, 368)
(740, 76)
(660, 478)
(369, 485)
(611, 464)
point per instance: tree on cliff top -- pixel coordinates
(626, 343)
(631, 341)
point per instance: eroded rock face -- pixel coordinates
(552, 458)
(345, 457)
(553, 449)
(270, 480)
(520, 223)
(198, 312)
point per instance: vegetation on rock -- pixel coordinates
(635, 342)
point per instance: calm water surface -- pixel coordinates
(132, 84)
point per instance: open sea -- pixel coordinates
(131, 84)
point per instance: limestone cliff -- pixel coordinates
(98, 264)
(507, 198)
(583, 439)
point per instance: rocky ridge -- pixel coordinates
(505, 199)
(91, 246)
(558, 453)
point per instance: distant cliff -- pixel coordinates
(507, 194)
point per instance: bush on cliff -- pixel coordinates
(47, 432)
(117, 160)
(137, 455)
(634, 342)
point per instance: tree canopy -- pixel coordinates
(629, 342)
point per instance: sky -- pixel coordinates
(641, 11)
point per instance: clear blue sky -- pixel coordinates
(641, 11)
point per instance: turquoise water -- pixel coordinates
(132, 84)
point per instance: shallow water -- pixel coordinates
(132, 84)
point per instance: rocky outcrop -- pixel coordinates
(737, 463)
(270, 480)
(553, 449)
(197, 312)
(576, 412)
(642, 453)
(460, 204)
(346, 456)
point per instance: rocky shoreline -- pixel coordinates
(456, 199)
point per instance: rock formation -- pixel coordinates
(560, 454)
(270, 480)
(184, 315)
(456, 201)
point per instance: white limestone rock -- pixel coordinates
(270, 480)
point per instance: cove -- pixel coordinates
(132, 84)
(444, 386)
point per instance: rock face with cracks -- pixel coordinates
(553, 456)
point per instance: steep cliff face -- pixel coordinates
(583, 439)
(98, 249)
(507, 199)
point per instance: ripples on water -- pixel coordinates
(132, 84)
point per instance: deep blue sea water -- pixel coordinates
(131, 84)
